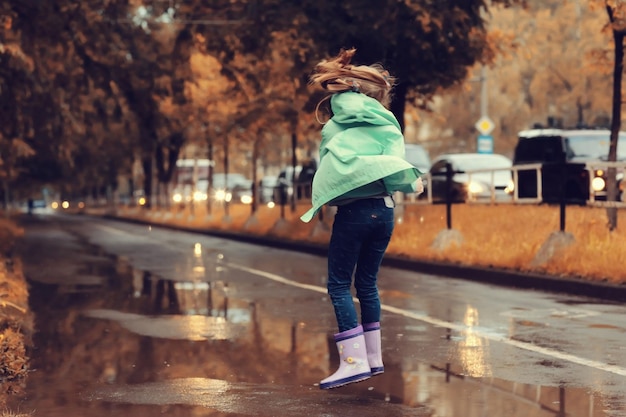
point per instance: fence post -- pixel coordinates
(562, 200)
(282, 195)
(449, 195)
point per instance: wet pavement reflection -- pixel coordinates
(126, 342)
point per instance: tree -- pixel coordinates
(103, 70)
(427, 45)
(617, 18)
(553, 61)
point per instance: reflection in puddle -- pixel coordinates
(252, 399)
(192, 344)
(189, 327)
(472, 349)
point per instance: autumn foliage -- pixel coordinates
(97, 90)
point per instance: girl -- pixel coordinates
(361, 165)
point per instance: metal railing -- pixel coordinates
(559, 175)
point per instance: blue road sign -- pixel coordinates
(484, 144)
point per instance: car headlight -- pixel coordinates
(65, 204)
(223, 195)
(510, 188)
(598, 184)
(177, 197)
(246, 199)
(220, 195)
(199, 196)
(476, 187)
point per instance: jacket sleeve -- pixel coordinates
(403, 181)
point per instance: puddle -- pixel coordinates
(137, 345)
(189, 327)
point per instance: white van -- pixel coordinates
(417, 156)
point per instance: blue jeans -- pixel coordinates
(361, 233)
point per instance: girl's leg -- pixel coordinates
(370, 257)
(343, 252)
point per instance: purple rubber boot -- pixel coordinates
(371, 332)
(353, 365)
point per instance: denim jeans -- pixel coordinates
(361, 233)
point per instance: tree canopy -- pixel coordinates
(88, 87)
(555, 63)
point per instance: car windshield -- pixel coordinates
(594, 146)
(476, 163)
(231, 179)
(269, 180)
(417, 156)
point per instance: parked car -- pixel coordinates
(69, 202)
(233, 187)
(303, 180)
(417, 156)
(267, 184)
(564, 155)
(475, 176)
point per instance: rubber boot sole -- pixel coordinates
(345, 381)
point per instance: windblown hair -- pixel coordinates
(337, 75)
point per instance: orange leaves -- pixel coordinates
(616, 10)
(12, 151)
(503, 42)
(6, 22)
(21, 60)
(21, 148)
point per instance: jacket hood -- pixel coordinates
(362, 147)
(351, 107)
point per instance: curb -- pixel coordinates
(495, 276)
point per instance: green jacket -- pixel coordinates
(361, 144)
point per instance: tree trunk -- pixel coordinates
(294, 163)
(256, 191)
(5, 193)
(209, 191)
(398, 104)
(611, 183)
(146, 162)
(226, 166)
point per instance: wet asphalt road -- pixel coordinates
(139, 321)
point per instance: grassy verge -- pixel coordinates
(501, 236)
(16, 324)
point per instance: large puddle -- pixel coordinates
(127, 343)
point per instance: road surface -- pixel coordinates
(133, 320)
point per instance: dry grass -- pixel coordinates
(502, 236)
(8, 232)
(15, 320)
(511, 236)
(9, 413)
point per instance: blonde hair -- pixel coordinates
(337, 75)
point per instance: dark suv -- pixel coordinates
(563, 155)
